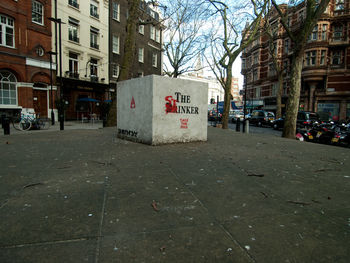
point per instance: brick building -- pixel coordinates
(326, 70)
(25, 40)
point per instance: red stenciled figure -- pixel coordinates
(170, 106)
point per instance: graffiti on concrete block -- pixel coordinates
(171, 105)
(127, 133)
(132, 103)
(184, 123)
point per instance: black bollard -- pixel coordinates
(238, 125)
(6, 125)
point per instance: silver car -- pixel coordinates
(234, 115)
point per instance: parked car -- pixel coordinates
(304, 119)
(234, 115)
(261, 117)
(214, 116)
(307, 118)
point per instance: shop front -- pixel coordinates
(83, 99)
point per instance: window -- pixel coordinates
(275, 49)
(142, 28)
(274, 28)
(116, 44)
(243, 63)
(73, 65)
(313, 35)
(301, 16)
(152, 31)
(336, 57)
(94, 9)
(73, 3)
(339, 5)
(274, 89)
(324, 32)
(158, 35)
(256, 58)
(154, 60)
(255, 74)
(286, 67)
(310, 58)
(257, 93)
(73, 25)
(337, 33)
(272, 70)
(116, 11)
(94, 37)
(141, 54)
(7, 37)
(37, 13)
(115, 70)
(93, 67)
(8, 90)
(323, 57)
(286, 46)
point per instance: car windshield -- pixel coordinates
(311, 116)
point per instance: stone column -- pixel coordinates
(311, 96)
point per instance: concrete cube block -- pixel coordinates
(158, 110)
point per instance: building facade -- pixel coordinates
(326, 70)
(25, 40)
(148, 58)
(84, 42)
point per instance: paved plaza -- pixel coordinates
(83, 195)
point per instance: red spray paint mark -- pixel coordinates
(170, 105)
(132, 104)
(184, 123)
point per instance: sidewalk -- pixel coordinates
(86, 196)
(68, 125)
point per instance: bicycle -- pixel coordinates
(29, 121)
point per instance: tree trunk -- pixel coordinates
(128, 58)
(294, 96)
(227, 97)
(279, 95)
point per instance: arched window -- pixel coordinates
(8, 90)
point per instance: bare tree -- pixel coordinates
(184, 35)
(313, 11)
(228, 42)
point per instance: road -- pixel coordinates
(254, 129)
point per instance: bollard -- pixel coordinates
(6, 125)
(247, 126)
(238, 125)
(2, 120)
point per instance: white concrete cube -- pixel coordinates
(159, 110)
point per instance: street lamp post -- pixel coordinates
(52, 113)
(61, 109)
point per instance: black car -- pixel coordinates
(261, 117)
(307, 118)
(304, 119)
